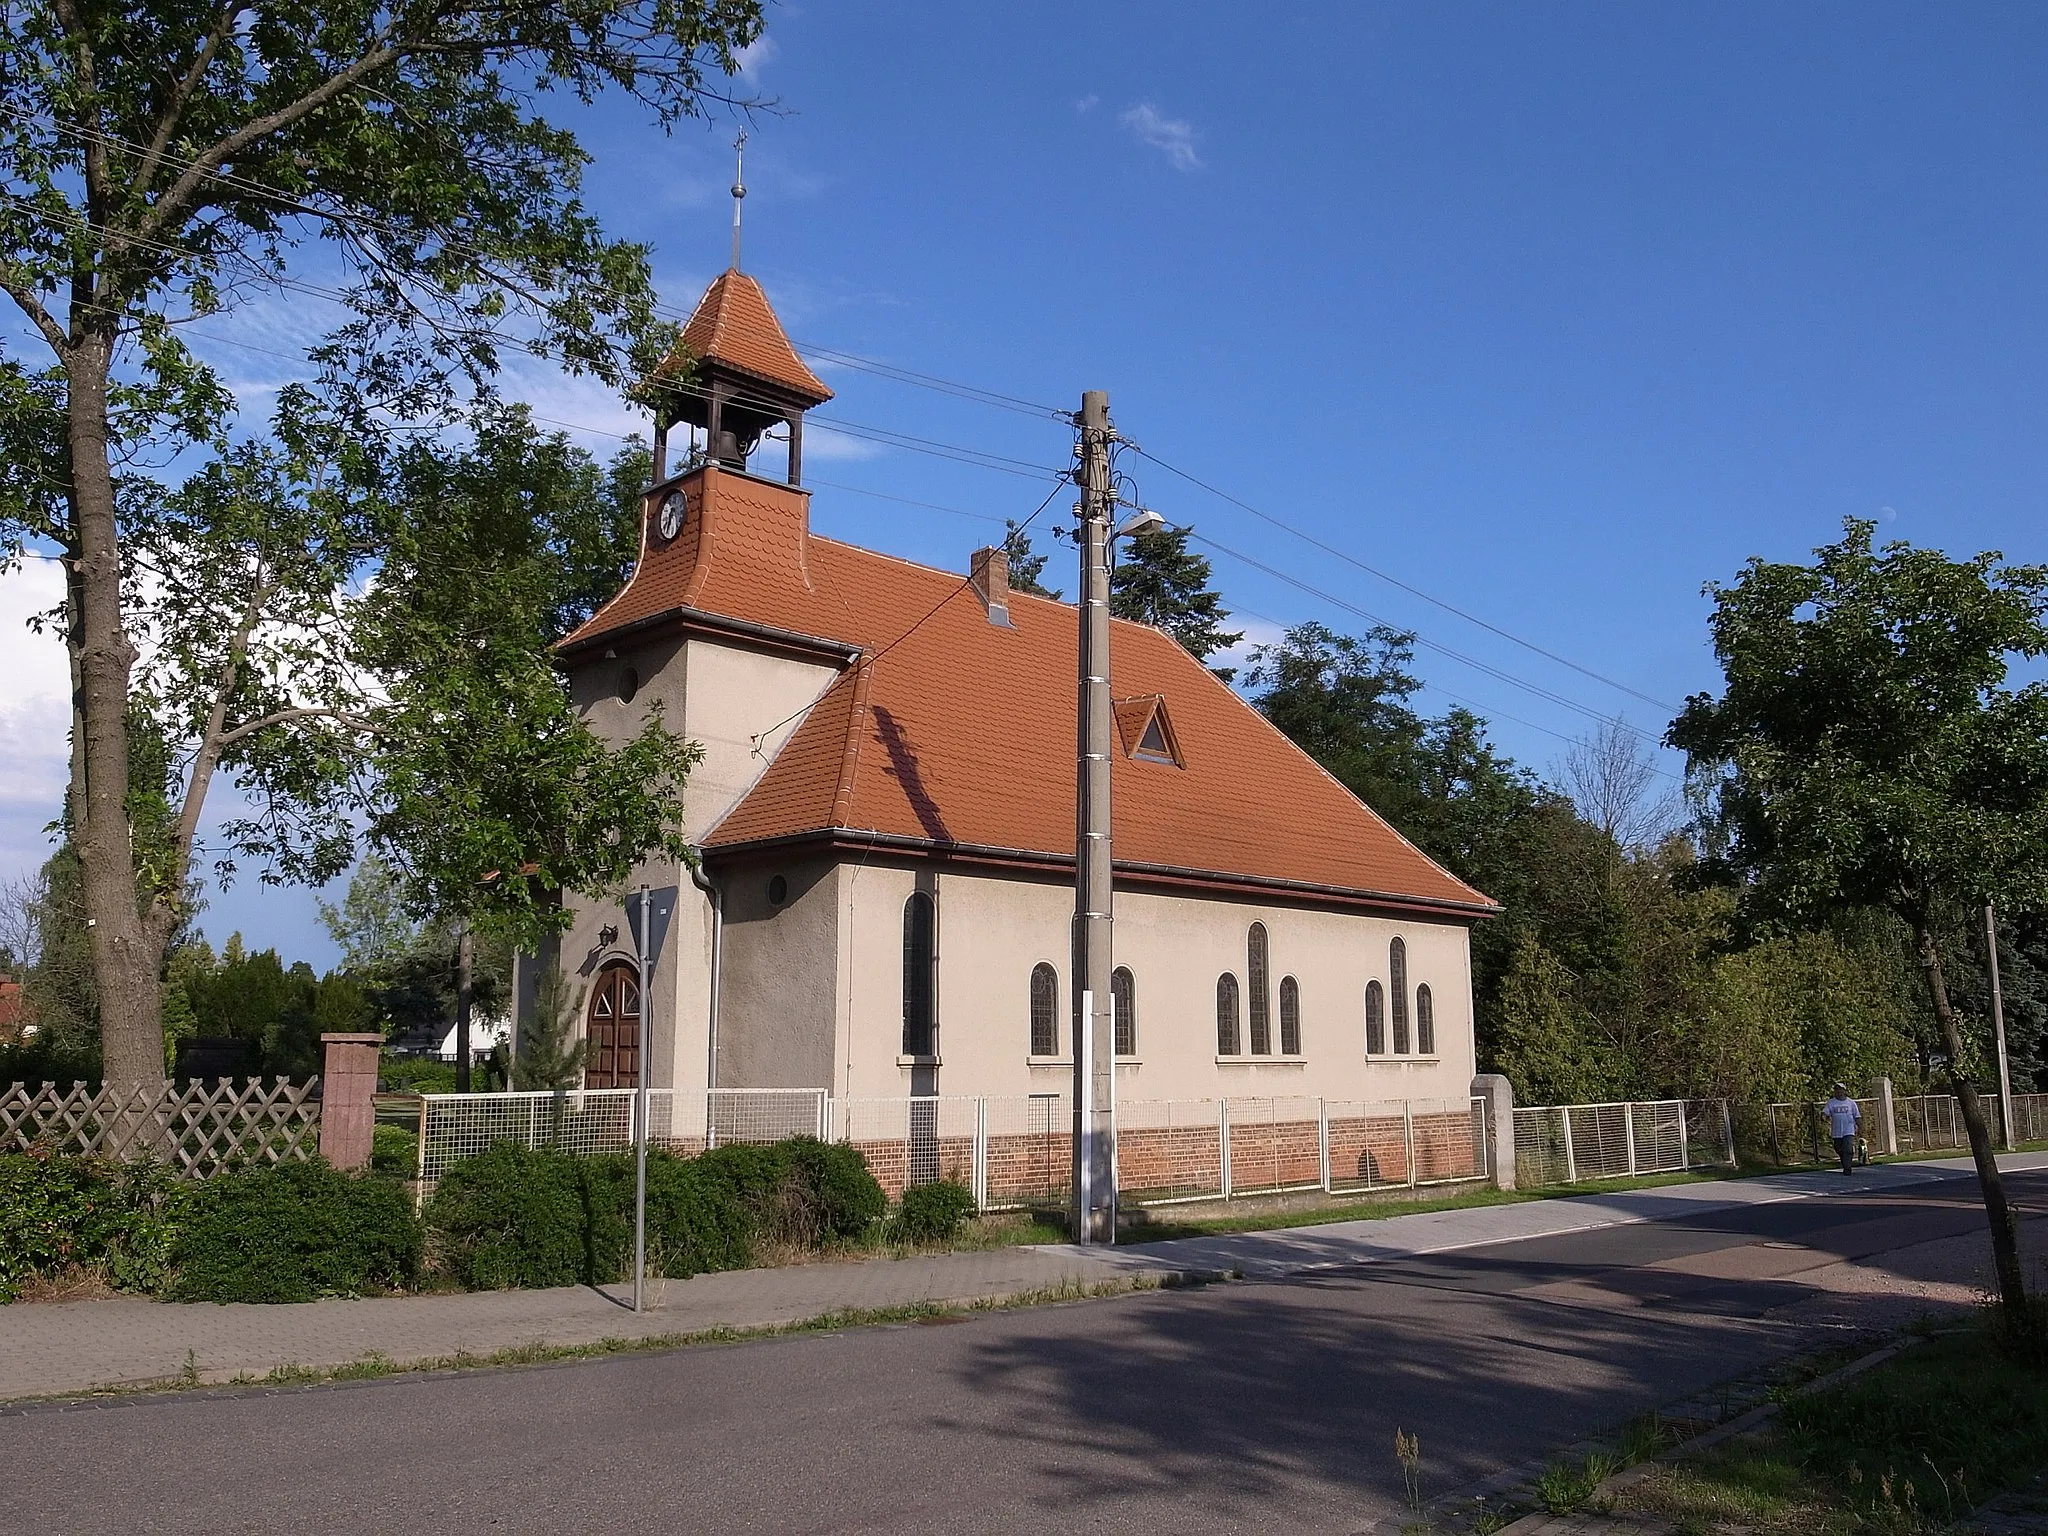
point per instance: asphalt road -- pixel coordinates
(1250, 1406)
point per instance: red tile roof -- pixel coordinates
(953, 731)
(734, 324)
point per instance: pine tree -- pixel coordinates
(550, 1058)
(1159, 582)
(1025, 566)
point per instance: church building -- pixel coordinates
(885, 810)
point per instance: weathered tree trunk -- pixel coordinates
(126, 953)
(2005, 1246)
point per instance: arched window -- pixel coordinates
(1375, 1020)
(1397, 983)
(1425, 1022)
(1262, 992)
(612, 1056)
(920, 976)
(1290, 1016)
(1226, 1015)
(1045, 1010)
(1123, 1005)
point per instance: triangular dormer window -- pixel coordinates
(1147, 732)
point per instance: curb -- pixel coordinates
(1741, 1424)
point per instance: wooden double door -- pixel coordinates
(611, 1059)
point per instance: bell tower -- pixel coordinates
(734, 373)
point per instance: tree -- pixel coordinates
(1159, 582)
(1865, 752)
(1611, 778)
(158, 164)
(550, 1056)
(1026, 567)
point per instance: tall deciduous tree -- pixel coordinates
(1159, 580)
(158, 160)
(1866, 752)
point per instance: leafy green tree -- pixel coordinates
(1866, 752)
(1027, 567)
(1159, 581)
(160, 163)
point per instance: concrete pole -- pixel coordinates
(1095, 1044)
(1998, 1023)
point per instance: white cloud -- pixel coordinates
(1088, 103)
(1257, 632)
(752, 58)
(1173, 137)
(35, 715)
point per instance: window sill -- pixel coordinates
(1389, 1060)
(1068, 1061)
(1261, 1061)
(918, 1061)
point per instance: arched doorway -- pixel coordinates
(612, 1057)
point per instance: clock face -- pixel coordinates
(670, 521)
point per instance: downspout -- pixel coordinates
(703, 883)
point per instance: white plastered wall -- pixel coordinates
(992, 929)
(720, 695)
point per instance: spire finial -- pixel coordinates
(739, 191)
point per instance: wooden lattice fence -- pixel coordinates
(199, 1128)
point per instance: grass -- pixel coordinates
(1910, 1446)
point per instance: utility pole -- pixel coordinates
(465, 971)
(1998, 1023)
(1094, 1034)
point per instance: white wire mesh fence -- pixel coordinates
(1572, 1143)
(1792, 1134)
(1012, 1151)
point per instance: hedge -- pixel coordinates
(59, 1213)
(513, 1216)
(525, 1216)
(294, 1232)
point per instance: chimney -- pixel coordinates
(990, 573)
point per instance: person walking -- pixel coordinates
(1844, 1116)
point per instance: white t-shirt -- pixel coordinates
(1844, 1115)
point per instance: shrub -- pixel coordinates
(416, 1074)
(696, 1219)
(932, 1213)
(827, 1193)
(293, 1232)
(511, 1216)
(395, 1151)
(57, 1213)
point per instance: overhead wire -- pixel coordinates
(889, 437)
(1414, 591)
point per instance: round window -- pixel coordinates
(629, 684)
(778, 890)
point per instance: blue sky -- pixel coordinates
(1554, 312)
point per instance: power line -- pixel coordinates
(1414, 591)
(891, 371)
(1372, 618)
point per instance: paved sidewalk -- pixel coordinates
(48, 1349)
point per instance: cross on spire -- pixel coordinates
(739, 191)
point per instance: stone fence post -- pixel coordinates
(348, 1088)
(1888, 1116)
(1499, 1094)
